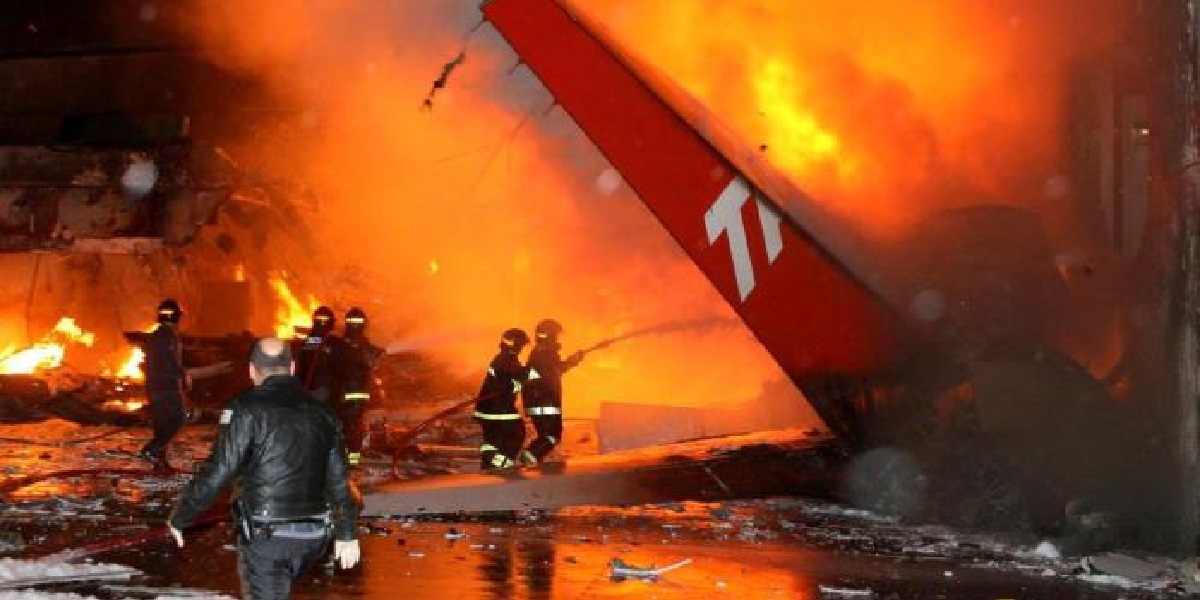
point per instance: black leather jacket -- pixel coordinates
(287, 452)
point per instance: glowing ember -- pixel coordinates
(239, 272)
(124, 405)
(291, 312)
(47, 353)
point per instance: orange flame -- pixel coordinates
(33, 359)
(874, 110)
(131, 368)
(798, 138)
(291, 313)
(49, 352)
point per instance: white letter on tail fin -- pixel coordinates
(725, 216)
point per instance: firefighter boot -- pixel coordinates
(501, 462)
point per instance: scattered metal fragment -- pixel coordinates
(440, 82)
(619, 569)
(114, 572)
(829, 591)
(166, 592)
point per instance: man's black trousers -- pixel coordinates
(268, 568)
(503, 436)
(167, 416)
(549, 434)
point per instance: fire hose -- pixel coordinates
(411, 434)
(80, 440)
(700, 324)
(216, 514)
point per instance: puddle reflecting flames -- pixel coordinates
(530, 564)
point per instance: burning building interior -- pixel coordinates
(951, 243)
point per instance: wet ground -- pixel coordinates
(737, 549)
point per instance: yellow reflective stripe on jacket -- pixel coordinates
(357, 396)
(500, 417)
(543, 410)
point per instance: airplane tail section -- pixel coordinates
(812, 306)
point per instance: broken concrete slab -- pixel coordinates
(740, 467)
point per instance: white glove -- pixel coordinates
(177, 534)
(346, 553)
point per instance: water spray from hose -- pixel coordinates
(700, 325)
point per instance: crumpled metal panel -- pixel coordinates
(53, 198)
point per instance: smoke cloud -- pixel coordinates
(487, 208)
(483, 210)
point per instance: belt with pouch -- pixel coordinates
(257, 529)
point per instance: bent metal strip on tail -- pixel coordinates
(805, 306)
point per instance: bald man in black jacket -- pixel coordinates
(287, 452)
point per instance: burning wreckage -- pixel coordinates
(980, 375)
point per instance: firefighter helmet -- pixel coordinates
(323, 319)
(356, 316)
(169, 311)
(356, 319)
(514, 339)
(548, 329)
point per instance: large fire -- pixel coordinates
(887, 111)
(872, 110)
(497, 198)
(48, 352)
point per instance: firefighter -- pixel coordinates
(314, 360)
(354, 372)
(496, 404)
(542, 393)
(166, 382)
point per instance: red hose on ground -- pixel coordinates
(412, 434)
(216, 514)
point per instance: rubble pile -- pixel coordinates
(83, 399)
